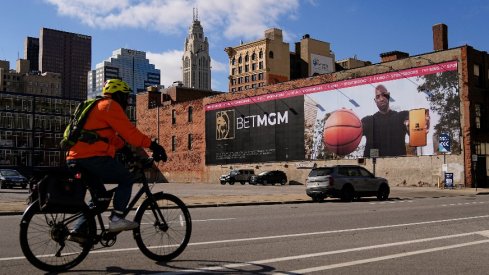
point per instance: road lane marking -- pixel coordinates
(288, 235)
(383, 258)
(326, 253)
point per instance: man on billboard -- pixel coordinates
(386, 129)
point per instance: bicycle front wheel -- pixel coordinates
(162, 240)
(43, 239)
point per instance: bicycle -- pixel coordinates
(163, 234)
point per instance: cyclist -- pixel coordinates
(109, 120)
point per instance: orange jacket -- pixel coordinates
(109, 116)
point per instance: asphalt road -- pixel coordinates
(442, 235)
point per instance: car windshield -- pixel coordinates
(263, 173)
(233, 173)
(9, 173)
(319, 172)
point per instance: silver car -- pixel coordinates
(346, 182)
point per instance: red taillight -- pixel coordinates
(78, 176)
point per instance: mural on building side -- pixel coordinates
(400, 113)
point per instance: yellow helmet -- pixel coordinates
(115, 85)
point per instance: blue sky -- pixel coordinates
(353, 27)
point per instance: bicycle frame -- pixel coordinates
(144, 190)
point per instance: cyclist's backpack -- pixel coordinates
(74, 131)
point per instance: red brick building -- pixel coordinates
(181, 125)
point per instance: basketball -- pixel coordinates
(342, 132)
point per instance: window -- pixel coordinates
(173, 143)
(270, 54)
(240, 69)
(253, 56)
(190, 114)
(476, 70)
(260, 55)
(190, 140)
(253, 66)
(247, 58)
(173, 116)
(247, 68)
(247, 79)
(477, 116)
(260, 76)
(240, 60)
(260, 65)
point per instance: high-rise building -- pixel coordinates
(129, 65)
(196, 60)
(68, 54)
(31, 52)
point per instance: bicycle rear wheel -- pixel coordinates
(43, 239)
(163, 241)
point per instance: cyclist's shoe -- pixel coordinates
(122, 225)
(77, 237)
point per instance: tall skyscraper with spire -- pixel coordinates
(196, 59)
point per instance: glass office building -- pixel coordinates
(129, 65)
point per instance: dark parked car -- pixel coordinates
(10, 178)
(269, 177)
(346, 182)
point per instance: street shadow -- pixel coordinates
(223, 267)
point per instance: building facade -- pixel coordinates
(196, 61)
(68, 54)
(259, 63)
(267, 128)
(24, 81)
(31, 127)
(129, 65)
(31, 52)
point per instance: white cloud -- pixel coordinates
(233, 18)
(169, 64)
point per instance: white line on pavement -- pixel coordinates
(320, 254)
(292, 235)
(383, 258)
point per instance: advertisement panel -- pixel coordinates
(257, 132)
(400, 113)
(321, 65)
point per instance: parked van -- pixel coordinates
(240, 175)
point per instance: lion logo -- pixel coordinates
(224, 125)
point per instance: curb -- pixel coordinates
(252, 203)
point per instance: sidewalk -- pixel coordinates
(215, 195)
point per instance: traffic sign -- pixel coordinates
(444, 143)
(374, 153)
(449, 180)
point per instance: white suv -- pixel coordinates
(346, 182)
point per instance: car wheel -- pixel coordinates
(223, 182)
(243, 182)
(383, 193)
(283, 181)
(347, 193)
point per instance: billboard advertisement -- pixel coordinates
(321, 65)
(261, 131)
(399, 113)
